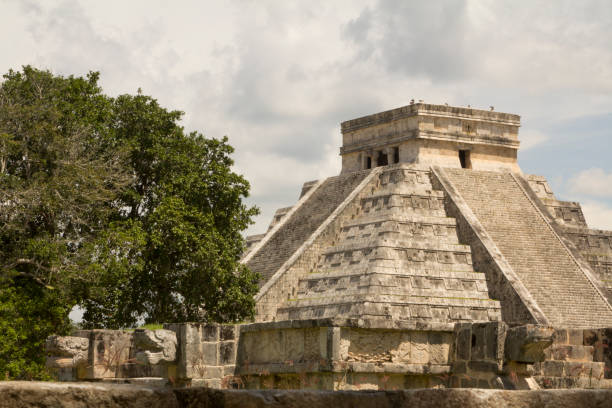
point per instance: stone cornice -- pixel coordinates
(431, 135)
(422, 109)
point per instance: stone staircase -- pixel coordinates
(399, 257)
(300, 224)
(595, 246)
(545, 266)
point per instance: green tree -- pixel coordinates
(178, 228)
(107, 203)
(58, 181)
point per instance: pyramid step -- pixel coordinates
(399, 217)
(404, 290)
(432, 202)
(396, 299)
(405, 190)
(371, 245)
(356, 273)
(382, 212)
(443, 236)
(359, 252)
(461, 285)
(440, 231)
(400, 308)
(401, 267)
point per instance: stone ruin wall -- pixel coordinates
(339, 354)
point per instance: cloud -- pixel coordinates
(279, 77)
(598, 214)
(592, 182)
(530, 138)
(415, 38)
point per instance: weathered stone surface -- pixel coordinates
(526, 343)
(51, 395)
(397, 258)
(155, 346)
(76, 348)
(22, 394)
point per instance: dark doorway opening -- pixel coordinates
(368, 162)
(382, 159)
(464, 158)
(396, 155)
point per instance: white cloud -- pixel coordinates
(531, 137)
(598, 215)
(592, 182)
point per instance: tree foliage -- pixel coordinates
(109, 204)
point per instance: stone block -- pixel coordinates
(577, 369)
(527, 343)
(419, 348)
(210, 332)
(109, 351)
(228, 332)
(478, 341)
(571, 353)
(439, 347)
(575, 337)
(560, 336)
(213, 372)
(227, 352)
(155, 346)
(552, 368)
(210, 353)
(463, 342)
(229, 370)
(495, 337)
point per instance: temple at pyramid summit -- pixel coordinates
(431, 260)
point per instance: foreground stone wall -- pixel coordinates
(52, 395)
(344, 354)
(182, 354)
(339, 354)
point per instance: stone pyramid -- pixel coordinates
(431, 221)
(398, 257)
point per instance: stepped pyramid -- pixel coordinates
(431, 221)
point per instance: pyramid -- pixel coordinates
(432, 221)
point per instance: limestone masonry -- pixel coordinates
(430, 261)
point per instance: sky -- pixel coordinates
(278, 77)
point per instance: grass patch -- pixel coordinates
(150, 326)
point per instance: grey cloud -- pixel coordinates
(415, 38)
